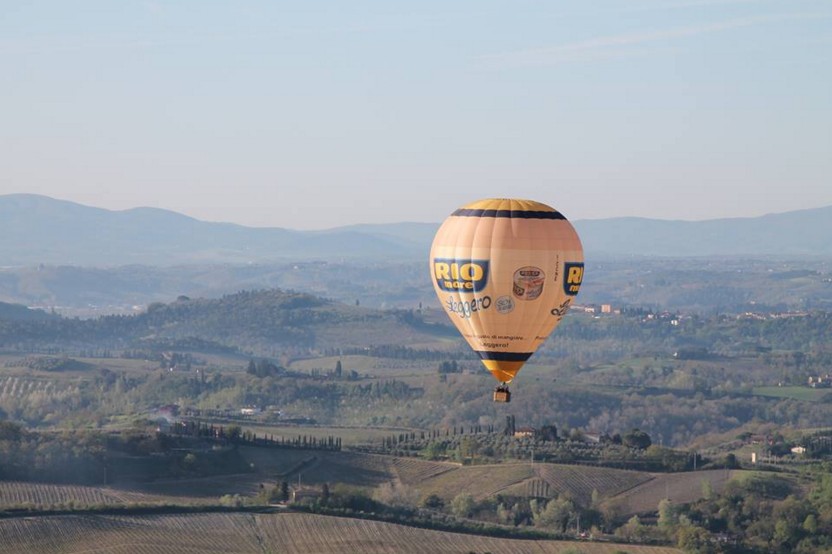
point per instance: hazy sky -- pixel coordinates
(313, 114)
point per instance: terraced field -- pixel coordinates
(15, 494)
(413, 471)
(532, 488)
(256, 534)
(629, 491)
(579, 481)
(270, 466)
(523, 479)
(21, 387)
(680, 488)
(479, 481)
(317, 466)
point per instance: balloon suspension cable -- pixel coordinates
(502, 394)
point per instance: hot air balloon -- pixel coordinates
(506, 271)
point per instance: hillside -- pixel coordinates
(734, 285)
(631, 492)
(680, 488)
(37, 229)
(41, 230)
(541, 480)
(256, 533)
(16, 312)
(797, 233)
(253, 321)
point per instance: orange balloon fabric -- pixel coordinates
(506, 271)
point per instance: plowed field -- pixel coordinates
(258, 534)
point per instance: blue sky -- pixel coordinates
(312, 115)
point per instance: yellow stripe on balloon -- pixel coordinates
(504, 372)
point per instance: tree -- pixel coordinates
(785, 534)
(694, 540)
(707, 489)
(434, 450)
(462, 505)
(284, 491)
(558, 514)
(11, 432)
(810, 524)
(468, 448)
(397, 495)
(233, 432)
(449, 367)
(632, 531)
(636, 438)
(434, 502)
(189, 461)
(667, 516)
(576, 435)
(504, 515)
(549, 433)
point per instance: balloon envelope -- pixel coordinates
(506, 271)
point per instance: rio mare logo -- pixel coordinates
(573, 276)
(460, 275)
(465, 309)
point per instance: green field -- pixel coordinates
(805, 394)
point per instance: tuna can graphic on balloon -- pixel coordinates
(506, 271)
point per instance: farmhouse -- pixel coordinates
(300, 494)
(820, 382)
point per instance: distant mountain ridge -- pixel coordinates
(41, 230)
(38, 229)
(789, 234)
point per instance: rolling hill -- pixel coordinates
(16, 312)
(790, 234)
(37, 229)
(250, 321)
(41, 230)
